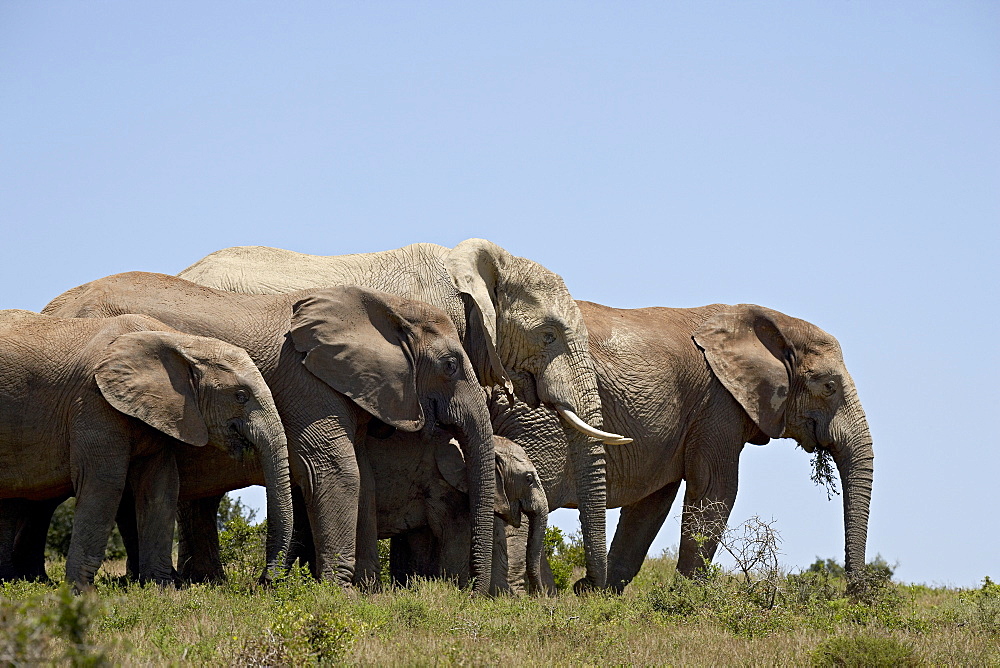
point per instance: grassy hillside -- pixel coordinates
(728, 619)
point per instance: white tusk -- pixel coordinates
(574, 420)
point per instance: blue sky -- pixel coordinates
(837, 161)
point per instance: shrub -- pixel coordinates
(231, 508)
(297, 637)
(864, 651)
(980, 608)
(48, 629)
(564, 554)
(829, 567)
(241, 548)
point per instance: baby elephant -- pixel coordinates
(423, 506)
(92, 406)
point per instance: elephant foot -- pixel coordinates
(583, 586)
(617, 585)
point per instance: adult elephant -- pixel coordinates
(333, 358)
(422, 499)
(693, 386)
(518, 324)
(95, 407)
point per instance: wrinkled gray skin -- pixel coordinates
(423, 505)
(516, 319)
(333, 358)
(93, 407)
(692, 386)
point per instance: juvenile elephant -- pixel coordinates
(518, 324)
(693, 386)
(423, 506)
(92, 406)
(333, 358)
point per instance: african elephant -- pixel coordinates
(693, 385)
(518, 323)
(422, 499)
(94, 406)
(333, 358)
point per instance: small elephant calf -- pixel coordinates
(422, 504)
(94, 406)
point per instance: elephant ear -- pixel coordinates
(451, 465)
(356, 342)
(501, 504)
(753, 360)
(149, 376)
(474, 266)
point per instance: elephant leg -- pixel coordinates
(367, 572)
(29, 544)
(637, 528)
(198, 557)
(24, 527)
(96, 504)
(302, 547)
(708, 501)
(400, 557)
(454, 551)
(154, 484)
(128, 527)
(332, 508)
(11, 519)
(414, 554)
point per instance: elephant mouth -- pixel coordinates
(237, 445)
(814, 436)
(525, 387)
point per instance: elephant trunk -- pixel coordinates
(268, 435)
(854, 457)
(570, 382)
(472, 429)
(537, 511)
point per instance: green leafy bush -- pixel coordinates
(980, 608)
(864, 651)
(231, 508)
(241, 549)
(298, 637)
(564, 554)
(49, 629)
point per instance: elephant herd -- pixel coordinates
(426, 394)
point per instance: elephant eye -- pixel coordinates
(242, 397)
(548, 337)
(451, 366)
(829, 387)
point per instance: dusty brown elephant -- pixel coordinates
(333, 358)
(91, 407)
(517, 320)
(692, 386)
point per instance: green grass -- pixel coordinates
(659, 620)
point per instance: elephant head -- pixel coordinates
(534, 341)
(402, 362)
(518, 490)
(790, 378)
(203, 391)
